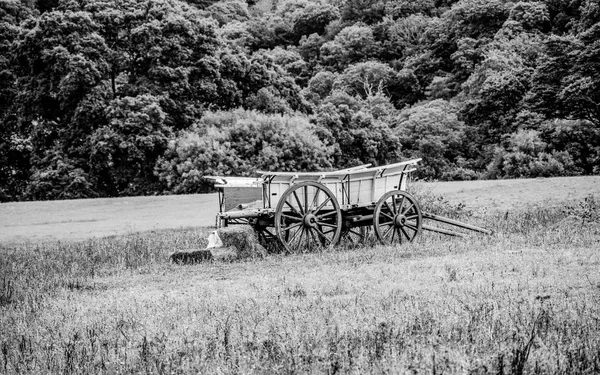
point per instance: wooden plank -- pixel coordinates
(343, 172)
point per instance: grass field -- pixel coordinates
(524, 300)
(86, 218)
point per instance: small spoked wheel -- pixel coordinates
(308, 217)
(397, 218)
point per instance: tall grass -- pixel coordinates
(524, 300)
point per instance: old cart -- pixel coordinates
(316, 209)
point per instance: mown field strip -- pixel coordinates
(87, 218)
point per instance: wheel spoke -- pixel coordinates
(412, 217)
(298, 201)
(292, 218)
(322, 235)
(357, 233)
(306, 200)
(393, 233)
(308, 247)
(322, 205)
(291, 241)
(410, 226)
(390, 208)
(314, 201)
(388, 216)
(401, 204)
(290, 227)
(406, 234)
(314, 236)
(387, 233)
(332, 230)
(293, 208)
(395, 204)
(410, 207)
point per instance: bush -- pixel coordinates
(528, 156)
(238, 143)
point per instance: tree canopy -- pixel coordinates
(108, 98)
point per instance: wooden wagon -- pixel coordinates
(316, 209)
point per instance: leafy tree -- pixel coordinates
(15, 146)
(227, 11)
(351, 44)
(404, 8)
(432, 131)
(124, 151)
(526, 156)
(496, 90)
(58, 178)
(309, 47)
(364, 79)
(567, 82)
(580, 139)
(355, 126)
(291, 61)
(367, 11)
(409, 36)
(320, 86)
(562, 14)
(531, 16)
(313, 19)
(239, 143)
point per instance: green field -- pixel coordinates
(524, 300)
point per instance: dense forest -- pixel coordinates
(104, 98)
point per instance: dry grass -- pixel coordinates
(525, 300)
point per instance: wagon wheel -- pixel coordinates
(397, 218)
(308, 216)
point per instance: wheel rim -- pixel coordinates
(397, 218)
(308, 217)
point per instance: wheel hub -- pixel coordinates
(400, 221)
(310, 220)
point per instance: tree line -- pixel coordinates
(102, 98)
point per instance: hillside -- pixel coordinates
(142, 97)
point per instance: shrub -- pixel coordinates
(528, 156)
(239, 143)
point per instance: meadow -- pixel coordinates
(524, 300)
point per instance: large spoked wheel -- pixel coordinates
(397, 218)
(308, 217)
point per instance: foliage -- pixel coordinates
(238, 143)
(432, 131)
(352, 44)
(527, 155)
(356, 128)
(506, 67)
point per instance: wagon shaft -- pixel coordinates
(456, 223)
